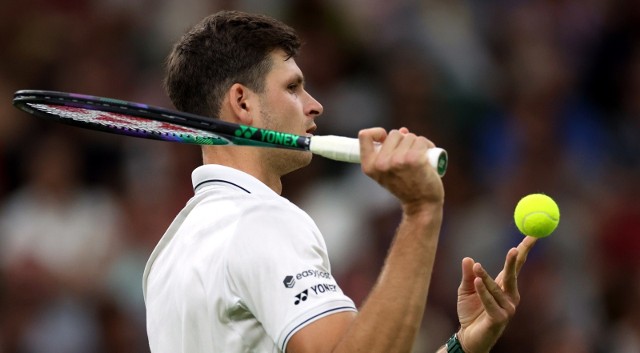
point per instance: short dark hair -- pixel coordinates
(224, 48)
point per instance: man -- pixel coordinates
(241, 269)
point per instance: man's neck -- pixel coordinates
(245, 159)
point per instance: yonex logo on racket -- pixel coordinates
(246, 131)
(269, 136)
(280, 138)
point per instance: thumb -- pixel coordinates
(466, 285)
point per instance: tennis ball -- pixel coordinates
(536, 215)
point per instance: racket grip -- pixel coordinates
(346, 149)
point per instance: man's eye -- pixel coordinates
(292, 87)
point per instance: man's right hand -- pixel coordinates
(398, 161)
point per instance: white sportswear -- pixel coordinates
(240, 269)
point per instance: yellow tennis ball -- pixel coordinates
(537, 215)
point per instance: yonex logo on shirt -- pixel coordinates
(324, 287)
(302, 296)
(317, 289)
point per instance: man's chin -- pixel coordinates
(296, 160)
(303, 159)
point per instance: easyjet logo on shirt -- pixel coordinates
(313, 273)
(290, 281)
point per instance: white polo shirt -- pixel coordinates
(240, 269)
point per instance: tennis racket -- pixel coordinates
(141, 120)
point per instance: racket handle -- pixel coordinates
(346, 149)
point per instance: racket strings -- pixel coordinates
(132, 124)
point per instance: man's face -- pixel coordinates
(286, 106)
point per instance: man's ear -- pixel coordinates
(240, 101)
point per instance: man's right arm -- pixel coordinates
(391, 316)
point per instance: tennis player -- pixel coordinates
(242, 269)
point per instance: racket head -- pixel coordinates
(124, 118)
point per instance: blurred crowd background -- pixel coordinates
(526, 95)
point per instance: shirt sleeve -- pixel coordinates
(282, 272)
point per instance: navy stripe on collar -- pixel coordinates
(220, 181)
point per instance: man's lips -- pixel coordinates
(311, 130)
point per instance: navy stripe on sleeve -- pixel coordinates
(286, 339)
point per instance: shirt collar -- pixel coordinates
(209, 174)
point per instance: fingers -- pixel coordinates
(402, 148)
(395, 141)
(502, 294)
(516, 257)
(497, 304)
(523, 251)
(398, 143)
(367, 139)
(509, 274)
